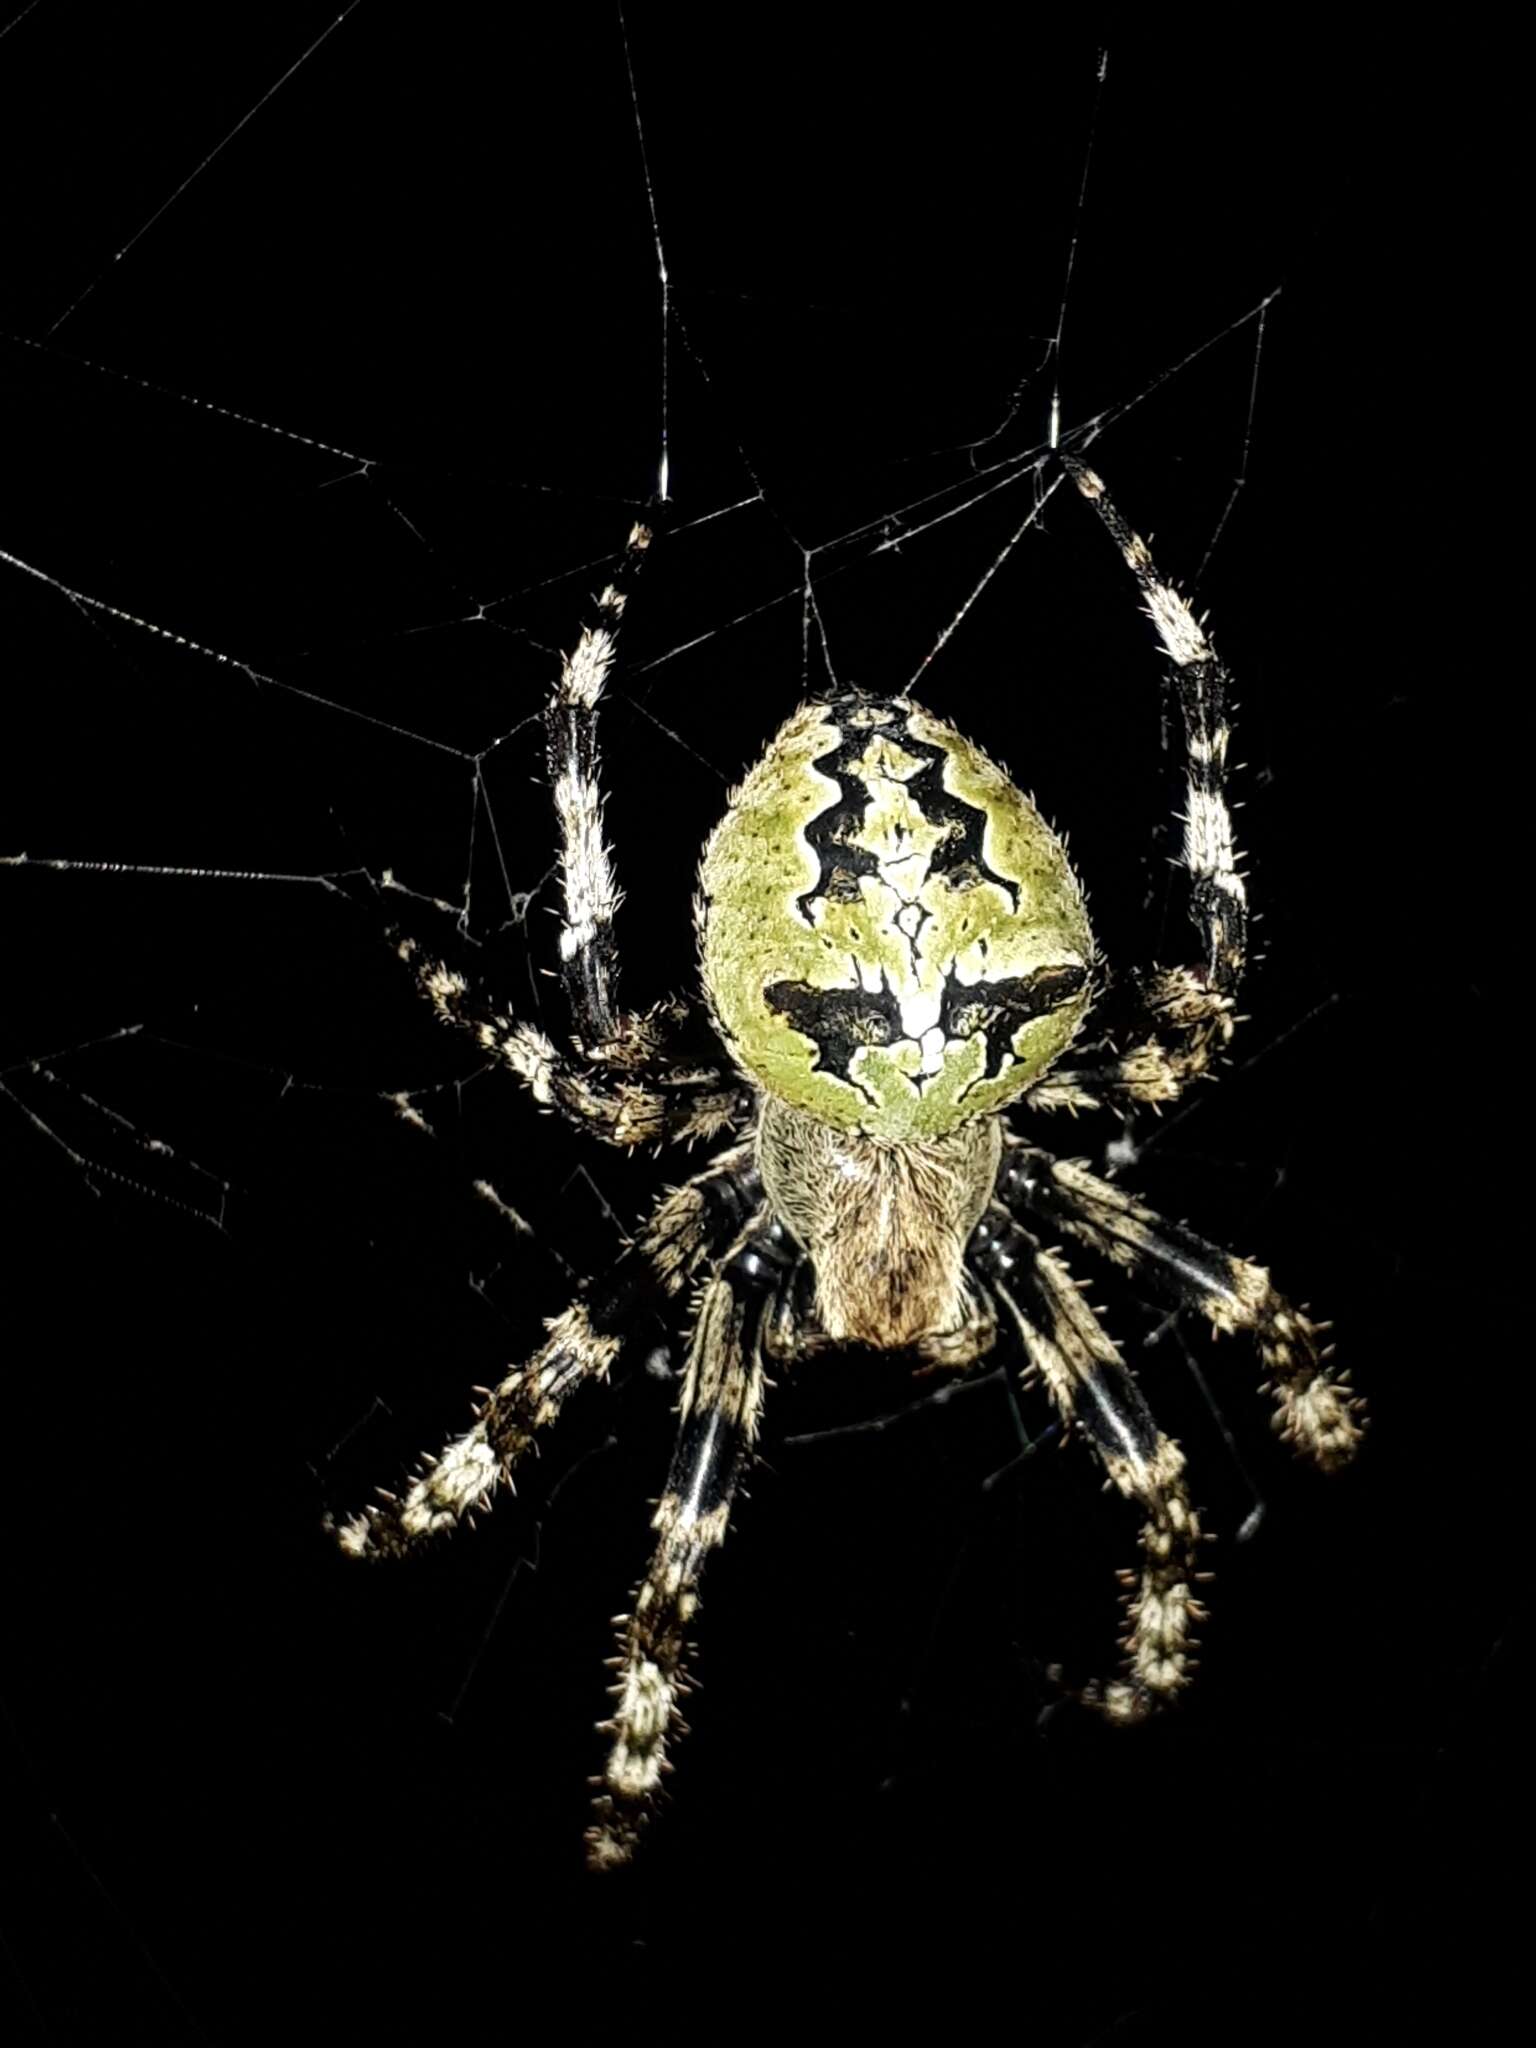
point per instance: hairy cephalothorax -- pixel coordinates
(894, 955)
(919, 1201)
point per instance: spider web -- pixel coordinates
(337, 363)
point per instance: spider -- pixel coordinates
(894, 955)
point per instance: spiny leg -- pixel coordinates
(631, 1079)
(1315, 1409)
(1183, 1014)
(588, 957)
(589, 964)
(649, 1046)
(1090, 1386)
(694, 1223)
(687, 1226)
(722, 1401)
(647, 1096)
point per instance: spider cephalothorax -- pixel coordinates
(894, 952)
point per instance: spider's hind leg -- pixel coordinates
(589, 959)
(588, 955)
(628, 1077)
(1181, 1017)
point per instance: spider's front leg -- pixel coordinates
(721, 1404)
(1315, 1409)
(1090, 1386)
(1182, 1017)
(688, 1227)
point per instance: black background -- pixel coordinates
(363, 411)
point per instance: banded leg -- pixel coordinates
(630, 1079)
(1315, 1409)
(588, 957)
(693, 1224)
(722, 1402)
(688, 1226)
(641, 1095)
(1184, 1013)
(1090, 1386)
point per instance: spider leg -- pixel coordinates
(687, 1226)
(721, 1405)
(589, 963)
(588, 957)
(1090, 1386)
(640, 1095)
(629, 1079)
(1183, 1016)
(1315, 1409)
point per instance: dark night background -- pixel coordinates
(364, 410)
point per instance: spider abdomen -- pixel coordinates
(893, 938)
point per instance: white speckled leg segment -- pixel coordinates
(1314, 1407)
(1179, 1018)
(722, 1402)
(588, 962)
(463, 1477)
(640, 1093)
(1091, 1388)
(689, 1226)
(630, 1078)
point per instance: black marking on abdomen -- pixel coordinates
(840, 1020)
(837, 1020)
(999, 1007)
(832, 833)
